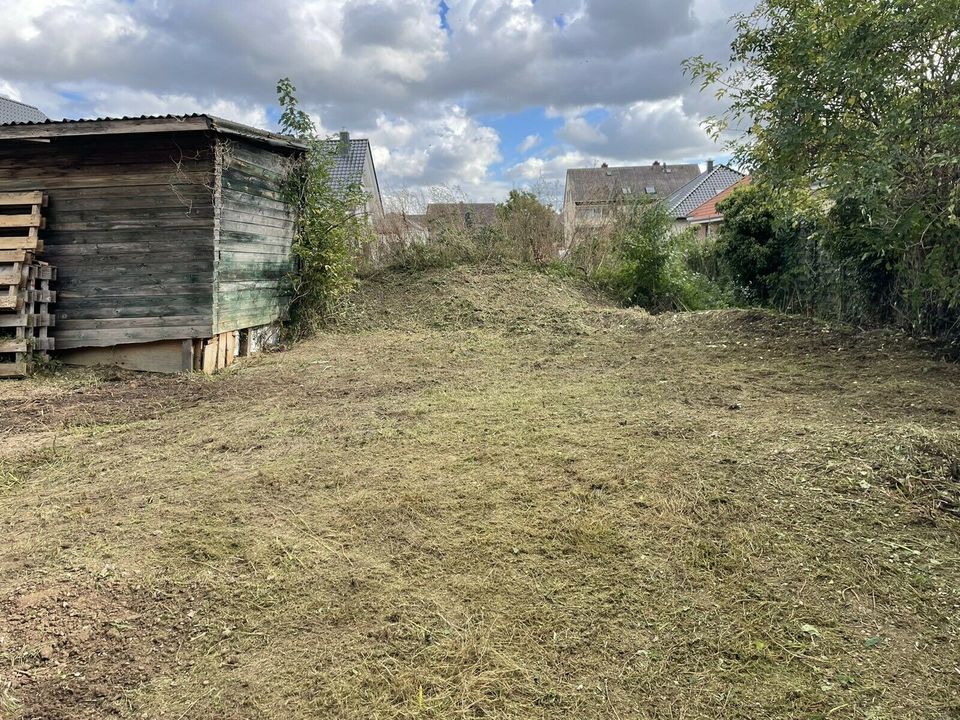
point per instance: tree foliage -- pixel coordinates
(860, 98)
(331, 225)
(530, 226)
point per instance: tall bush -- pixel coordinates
(331, 225)
(862, 100)
(530, 227)
(643, 260)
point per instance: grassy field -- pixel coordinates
(489, 495)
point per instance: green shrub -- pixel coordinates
(645, 260)
(524, 231)
(331, 227)
(860, 100)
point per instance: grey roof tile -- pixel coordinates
(347, 167)
(605, 184)
(707, 185)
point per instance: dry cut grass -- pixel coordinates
(490, 495)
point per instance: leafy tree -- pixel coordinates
(749, 246)
(862, 99)
(331, 224)
(530, 226)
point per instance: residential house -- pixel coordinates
(352, 167)
(706, 218)
(12, 111)
(592, 195)
(704, 187)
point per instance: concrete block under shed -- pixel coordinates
(163, 356)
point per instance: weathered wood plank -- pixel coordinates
(33, 219)
(26, 242)
(106, 337)
(153, 321)
(20, 320)
(13, 370)
(21, 198)
(13, 256)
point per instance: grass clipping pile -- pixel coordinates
(488, 494)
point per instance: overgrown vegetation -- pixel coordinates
(860, 101)
(643, 259)
(331, 227)
(524, 230)
(639, 258)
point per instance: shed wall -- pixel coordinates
(255, 236)
(130, 228)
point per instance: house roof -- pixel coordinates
(347, 163)
(12, 111)
(349, 156)
(478, 213)
(604, 184)
(705, 186)
(47, 129)
(708, 211)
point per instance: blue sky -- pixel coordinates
(477, 95)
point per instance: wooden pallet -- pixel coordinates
(25, 294)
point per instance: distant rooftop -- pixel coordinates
(707, 212)
(471, 214)
(13, 111)
(348, 158)
(607, 184)
(699, 190)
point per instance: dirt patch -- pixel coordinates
(110, 397)
(79, 649)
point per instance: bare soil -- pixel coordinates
(490, 494)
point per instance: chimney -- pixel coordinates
(343, 148)
(656, 163)
(604, 165)
(709, 166)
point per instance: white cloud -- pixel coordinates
(385, 68)
(448, 147)
(529, 143)
(10, 91)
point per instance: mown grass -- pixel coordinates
(490, 495)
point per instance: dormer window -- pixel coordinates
(651, 190)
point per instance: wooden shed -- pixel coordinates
(170, 235)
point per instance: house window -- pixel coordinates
(651, 190)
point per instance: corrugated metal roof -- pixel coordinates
(707, 185)
(12, 111)
(608, 184)
(141, 124)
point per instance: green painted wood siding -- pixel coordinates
(254, 238)
(130, 229)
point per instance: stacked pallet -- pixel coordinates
(25, 295)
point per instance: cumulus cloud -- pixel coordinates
(386, 68)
